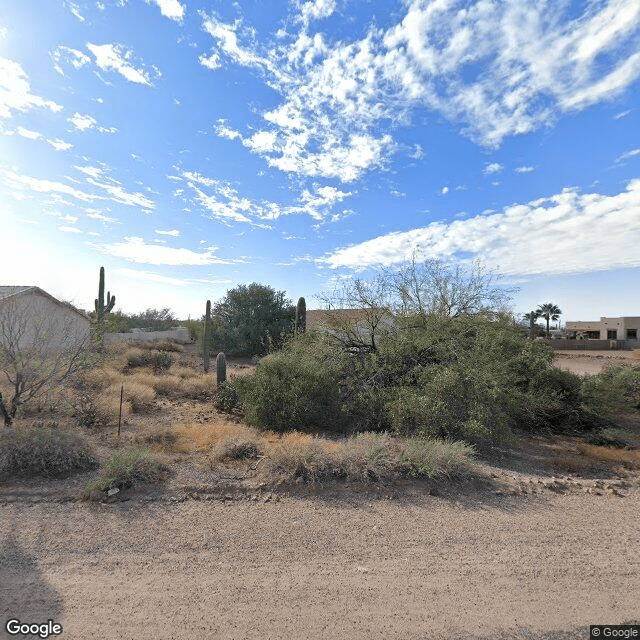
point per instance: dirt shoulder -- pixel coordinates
(358, 564)
(592, 362)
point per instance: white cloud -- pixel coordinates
(75, 10)
(171, 9)
(444, 191)
(136, 250)
(118, 194)
(524, 169)
(495, 69)
(15, 92)
(224, 203)
(96, 215)
(114, 57)
(17, 182)
(632, 153)
(622, 114)
(27, 133)
(494, 167)
(225, 132)
(75, 58)
(94, 172)
(212, 62)
(565, 233)
(59, 145)
(172, 232)
(82, 122)
(67, 229)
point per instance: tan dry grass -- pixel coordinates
(101, 377)
(141, 396)
(195, 436)
(629, 458)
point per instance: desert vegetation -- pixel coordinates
(435, 373)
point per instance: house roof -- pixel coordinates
(8, 291)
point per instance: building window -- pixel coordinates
(612, 334)
(593, 335)
(632, 334)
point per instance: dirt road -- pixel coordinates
(354, 566)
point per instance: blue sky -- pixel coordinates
(190, 146)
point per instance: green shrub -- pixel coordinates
(127, 466)
(159, 360)
(295, 389)
(43, 451)
(227, 398)
(617, 388)
(556, 384)
(162, 361)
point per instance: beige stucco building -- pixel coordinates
(30, 318)
(626, 328)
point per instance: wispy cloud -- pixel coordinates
(67, 55)
(150, 276)
(96, 215)
(172, 232)
(135, 249)
(75, 10)
(225, 204)
(566, 233)
(525, 169)
(114, 57)
(632, 153)
(494, 69)
(15, 91)
(118, 194)
(622, 114)
(15, 181)
(59, 145)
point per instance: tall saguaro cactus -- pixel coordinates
(207, 331)
(221, 368)
(301, 316)
(101, 308)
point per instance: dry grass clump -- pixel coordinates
(182, 372)
(365, 456)
(126, 467)
(158, 437)
(140, 396)
(101, 411)
(199, 388)
(629, 458)
(636, 354)
(43, 451)
(196, 436)
(100, 378)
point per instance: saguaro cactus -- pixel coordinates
(207, 331)
(301, 316)
(221, 368)
(101, 307)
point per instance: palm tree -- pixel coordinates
(531, 319)
(548, 311)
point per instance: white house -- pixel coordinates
(32, 318)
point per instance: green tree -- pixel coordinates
(548, 311)
(250, 320)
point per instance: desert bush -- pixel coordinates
(168, 385)
(236, 448)
(227, 398)
(159, 360)
(126, 467)
(557, 384)
(294, 389)
(101, 411)
(43, 451)
(617, 388)
(200, 387)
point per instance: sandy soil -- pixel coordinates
(591, 362)
(503, 554)
(515, 550)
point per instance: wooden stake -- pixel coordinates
(120, 416)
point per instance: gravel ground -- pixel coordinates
(334, 565)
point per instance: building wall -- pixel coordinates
(33, 320)
(620, 325)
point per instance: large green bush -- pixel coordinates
(617, 388)
(296, 388)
